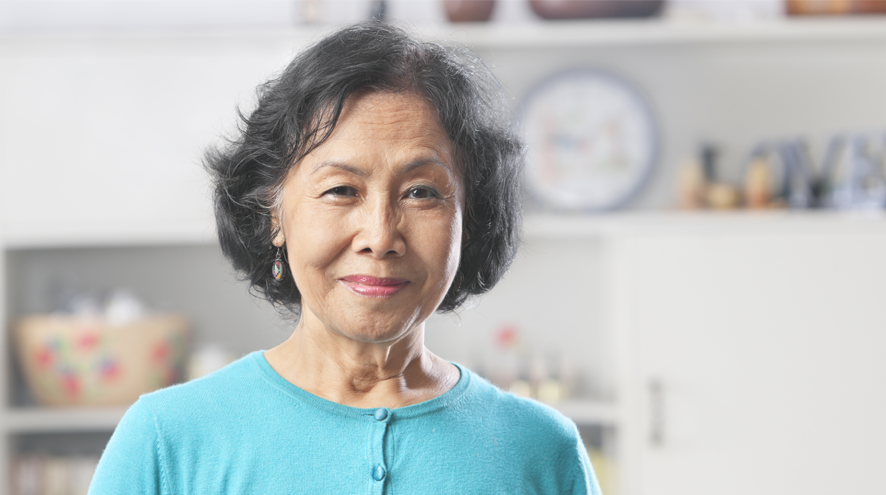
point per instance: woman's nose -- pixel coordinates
(380, 231)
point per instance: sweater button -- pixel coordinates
(379, 473)
(381, 413)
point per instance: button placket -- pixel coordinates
(378, 470)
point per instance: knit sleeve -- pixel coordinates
(585, 478)
(131, 461)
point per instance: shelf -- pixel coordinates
(114, 233)
(593, 226)
(46, 420)
(541, 34)
(660, 31)
(584, 412)
(536, 226)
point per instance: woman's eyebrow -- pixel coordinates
(421, 162)
(404, 169)
(339, 165)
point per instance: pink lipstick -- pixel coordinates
(373, 286)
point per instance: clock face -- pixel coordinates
(592, 141)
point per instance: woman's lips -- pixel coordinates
(373, 286)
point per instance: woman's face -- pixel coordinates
(372, 219)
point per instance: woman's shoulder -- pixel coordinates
(219, 389)
(520, 413)
(495, 428)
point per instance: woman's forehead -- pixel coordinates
(397, 115)
(399, 126)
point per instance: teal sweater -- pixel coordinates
(246, 430)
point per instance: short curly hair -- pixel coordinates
(297, 111)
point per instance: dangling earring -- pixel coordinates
(277, 268)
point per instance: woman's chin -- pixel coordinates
(379, 328)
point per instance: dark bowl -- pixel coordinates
(588, 9)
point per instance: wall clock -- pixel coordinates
(592, 141)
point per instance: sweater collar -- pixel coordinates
(449, 398)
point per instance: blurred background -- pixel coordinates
(700, 282)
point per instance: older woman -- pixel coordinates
(376, 182)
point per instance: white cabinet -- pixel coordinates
(744, 350)
(757, 358)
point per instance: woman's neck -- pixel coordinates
(362, 374)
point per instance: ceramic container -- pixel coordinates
(77, 361)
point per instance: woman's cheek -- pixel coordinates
(448, 241)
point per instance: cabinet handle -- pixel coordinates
(656, 412)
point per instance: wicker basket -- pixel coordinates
(73, 361)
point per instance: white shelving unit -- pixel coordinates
(62, 420)
(645, 223)
(607, 32)
(612, 415)
(659, 31)
(89, 419)
(43, 226)
(111, 234)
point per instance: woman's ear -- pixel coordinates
(278, 239)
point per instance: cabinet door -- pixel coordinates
(760, 363)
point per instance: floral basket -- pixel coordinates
(74, 361)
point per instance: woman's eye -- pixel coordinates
(421, 193)
(342, 191)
